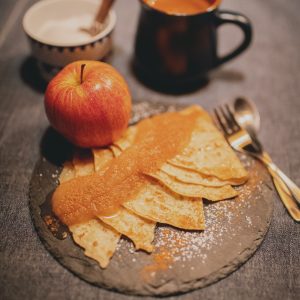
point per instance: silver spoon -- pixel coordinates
(247, 116)
(98, 22)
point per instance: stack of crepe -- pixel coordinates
(207, 168)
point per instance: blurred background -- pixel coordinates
(268, 73)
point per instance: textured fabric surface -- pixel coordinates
(268, 73)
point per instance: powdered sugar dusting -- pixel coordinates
(225, 224)
(225, 220)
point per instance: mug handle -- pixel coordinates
(230, 17)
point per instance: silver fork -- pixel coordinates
(242, 141)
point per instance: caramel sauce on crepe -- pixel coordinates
(158, 140)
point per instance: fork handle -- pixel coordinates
(288, 186)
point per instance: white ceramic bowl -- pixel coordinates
(52, 27)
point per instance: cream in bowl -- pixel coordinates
(53, 29)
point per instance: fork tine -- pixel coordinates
(233, 120)
(216, 120)
(228, 119)
(221, 121)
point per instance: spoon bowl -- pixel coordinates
(246, 114)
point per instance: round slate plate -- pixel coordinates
(182, 260)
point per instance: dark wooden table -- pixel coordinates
(269, 73)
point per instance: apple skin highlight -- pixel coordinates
(91, 113)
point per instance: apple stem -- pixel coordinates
(81, 73)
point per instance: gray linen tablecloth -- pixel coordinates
(268, 73)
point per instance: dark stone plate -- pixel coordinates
(183, 260)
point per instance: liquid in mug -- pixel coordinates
(182, 7)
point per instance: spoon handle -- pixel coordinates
(286, 198)
(103, 11)
(284, 191)
(289, 185)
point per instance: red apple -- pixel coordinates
(89, 103)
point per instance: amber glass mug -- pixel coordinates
(181, 49)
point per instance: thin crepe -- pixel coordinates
(136, 228)
(195, 190)
(190, 176)
(97, 239)
(102, 157)
(83, 162)
(209, 153)
(159, 204)
(139, 230)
